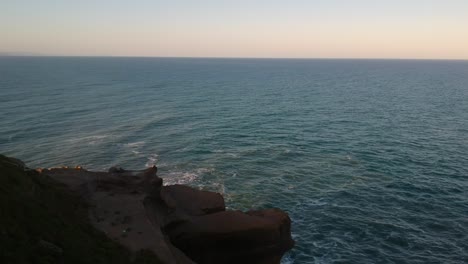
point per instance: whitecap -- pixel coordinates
(287, 259)
(215, 186)
(135, 144)
(92, 140)
(184, 149)
(179, 178)
(204, 170)
(187, 177)
(152, 160)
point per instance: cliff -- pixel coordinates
(124, 216)
(42, 221)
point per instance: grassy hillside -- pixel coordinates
(43, 222)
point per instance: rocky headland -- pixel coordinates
(176, 223)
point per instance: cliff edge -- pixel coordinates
(147, 221)
(42, 221)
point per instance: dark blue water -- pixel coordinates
(369, 157)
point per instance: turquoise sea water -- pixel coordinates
(369, 157)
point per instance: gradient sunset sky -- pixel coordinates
(426, 29)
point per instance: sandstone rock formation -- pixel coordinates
(180, 224)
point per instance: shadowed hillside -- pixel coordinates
(41, 221)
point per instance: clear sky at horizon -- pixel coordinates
(430, 29)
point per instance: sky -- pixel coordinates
(418, 29)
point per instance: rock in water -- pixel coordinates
(234, 237)
(192, 201)
(116, 169)
(196, 222)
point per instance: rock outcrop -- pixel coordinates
(42, 221)
(180, 224)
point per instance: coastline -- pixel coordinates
(177, 223)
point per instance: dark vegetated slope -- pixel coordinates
(41, 221)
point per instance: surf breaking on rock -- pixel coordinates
(180, 224)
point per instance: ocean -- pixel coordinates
(368, 157)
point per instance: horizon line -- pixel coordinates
(221, 57)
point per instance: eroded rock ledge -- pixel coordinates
(178, 223)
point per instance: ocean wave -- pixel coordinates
(91, 140)
(229, 154)
(172, 178)
(152, 160)
(204, 170)
(287, 259)
(135, 144)
(190, 177)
